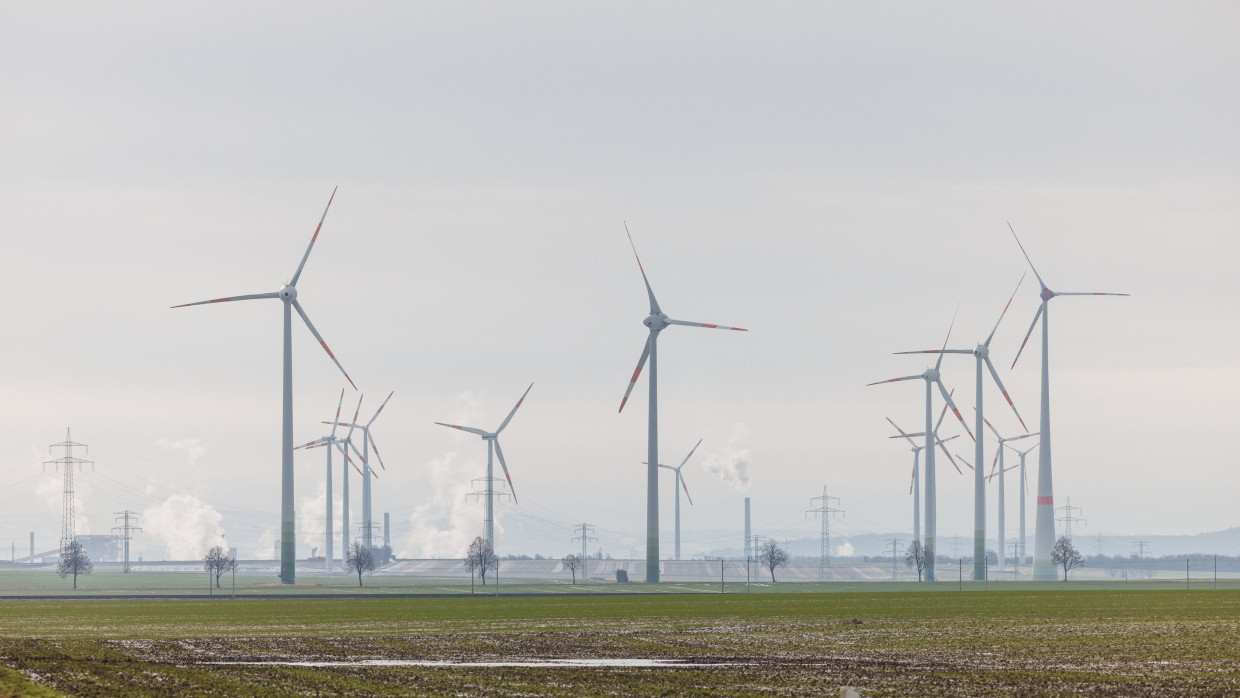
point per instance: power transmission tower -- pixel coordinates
(67, 532)
(825, 511)
(1068, 518)
(126, 530)
(585, 538)
(1015, 551)
(1141, 545)
(368, 530)
(895, 542)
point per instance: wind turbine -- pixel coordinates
(931, 377)
(680, 484)
(1024, 490)
(288, 296)
(492, 439)
(1044, 528)
(368, 445)
(982, 355)
(656, 322)
(329, 440)
(914, 487)
(1001, 469)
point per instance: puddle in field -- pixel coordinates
(534, 663)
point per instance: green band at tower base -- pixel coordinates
(288, 554)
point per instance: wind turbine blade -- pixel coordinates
(385, 402)
(302, 313)
(471, 430)
(995, 374)
(943, 441)
(686, 460)
(1087, 293)
(990, 426)
(1005, 309)
(338, 406)
(375, 446)
(1022, 251)
(993, 464)
(947, 338)
(948, 398)
(500, 452)
(654, 304)
(934, 351)
(1032, 325)
(942, 414)
(906, 437)
(685, 488)
(1022, 436)
(895, 380)
(359, 454)
(353, 424)
(297, 274)
(912, 479)
(514, 410)
(312, 444)
(962, 460)
(229, 299)
(637, 372)
(949, 457)
(705, 324)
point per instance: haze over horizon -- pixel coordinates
(835, 178)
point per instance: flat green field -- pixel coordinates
(1099, 641)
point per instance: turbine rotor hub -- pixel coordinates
(288, 293)
(1047, 294)
(655, 322)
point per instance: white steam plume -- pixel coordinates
(731, 463)
(185, 525)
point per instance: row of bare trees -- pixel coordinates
(1064, 554)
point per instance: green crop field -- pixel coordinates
(1015, 641)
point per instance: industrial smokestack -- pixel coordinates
(748, 551)
(387, 528)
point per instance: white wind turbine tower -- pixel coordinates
(1002, 498)
(656, 321)
(288, 296)
(915, 482)
(1024, 490)
(680, 484)
(931, 377)
(914, 485)
(981, 354)
(329, 441)
(492, 439)
(368, 445)
(1044, 527)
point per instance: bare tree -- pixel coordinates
(572, 563)
(74, 561)
(480, 558)
(217, 562)
(358, 559)
(771, 555)
(1066, 555)
(915, 556)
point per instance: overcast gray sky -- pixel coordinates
(835, 177)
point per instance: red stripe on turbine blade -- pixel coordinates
(636, 372)
(738, 329)
(1007, 397)
(329, 351)
(1048, 501)
(712, 326)
(622, 401)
